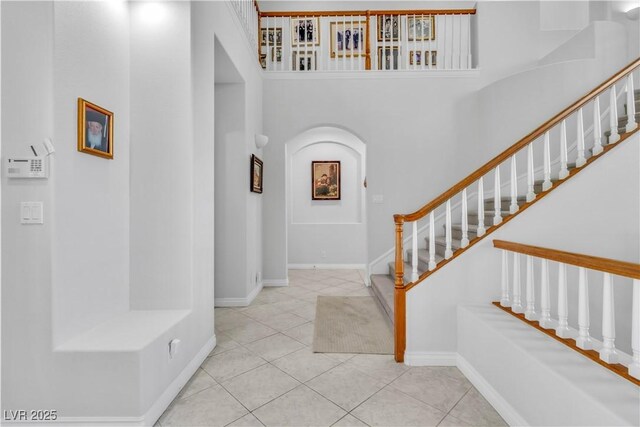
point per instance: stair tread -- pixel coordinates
(408, 269)
(423, 255)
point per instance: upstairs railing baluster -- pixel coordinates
(634, 367)
(432, 241)
(530, 311)
(414, 252)
(531, 195)
(581, 160)
(608, 353)
(613, 115)
(597, 127)
(504, 282)
(448, 253)
(464, 242)
(516, 304)
(481, 230)
(563, 330)
(546, 185)
(631, 105)
(513, 208)
(497, 217)
(564, 161)
(545, 297)
(584, 339)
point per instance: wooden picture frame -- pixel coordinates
(95, 129)
(426, 53)
(325, 180)
(304, 61)
(391, 51)
(305, 31)
(421, 28)
(257, 174)
(275, 36)
(385, 32)
(346, 47)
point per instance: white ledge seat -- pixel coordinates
(130, 331)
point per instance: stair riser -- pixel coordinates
(505, 204)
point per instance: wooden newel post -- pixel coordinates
(399, 294)
(367, 53)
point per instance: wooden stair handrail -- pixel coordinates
(304, 14)
(506, 154)
(620, 268)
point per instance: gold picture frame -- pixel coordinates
(421, 28)
(257, 174)
(95, 129)
(304, 61)
(390, 32)
(346, 47)
(305, 31)
(419, 55)
(325, 180)
(390, 51)
(275, 36)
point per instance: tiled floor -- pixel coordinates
(262, 372)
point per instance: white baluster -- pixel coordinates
(613, 115)
(631, 105)
(581, 160)
(513, 208)
(531, 179)
(432, 241)
(530, 311)
(497, 218)
(516, 304)
(634, 367)
(546, 185)
(545, 298)
(564, 171)
(608, 352)
(469, 65)
(563, 330)
(464, 242)
(448, 253)
(481, 229)
(414, 252)
(505, 301)
(597, 127)
(584, 340)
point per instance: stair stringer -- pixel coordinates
(594, 213)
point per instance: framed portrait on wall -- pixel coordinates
(418, 55)
(274, 39)
(347, 39)
(325, 180)
(256, 174)
(304, 61)
(95, 129)
(388, 28)
(305, 31)
(421, 28)
(385, 57)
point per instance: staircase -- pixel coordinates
(416, 264)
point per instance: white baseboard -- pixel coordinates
(506, 411)
(159, 406)
(239, 302)
(271, 283)
(430, 358)
(327, 266)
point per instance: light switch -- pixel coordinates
(378, 198)
(31, 213)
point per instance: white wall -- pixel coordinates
(327, 231)
(576, 217)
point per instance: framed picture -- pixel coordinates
(304, 61)
(434, 57)
(384, 58)
(263, 61)
(418, 57)
(275, 36)
(325, 180)
(256, 174)
(305, 31)
(347, 39)
(421, 28)
(276, 54)
(388, 28)
(95, 129)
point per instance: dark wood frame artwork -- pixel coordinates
(256, 188)
(313, 180)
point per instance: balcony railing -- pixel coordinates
(412, 40)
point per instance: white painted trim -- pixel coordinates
(430, 358)
(159, 406)
(370, 74)
(327, 266)
(272, 283)
(506, 411)
(238, 302)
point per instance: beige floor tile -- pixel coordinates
(314, 285)
(304, 365)
(311, 297)
(261, 312)
(211, 407)
(306, 310)
(223, 343)
(230, 320)
(284, 321)
(450, 421)
(345, 386)
(294, 292)
(349, 421)
(352, 286)
(390, 408)
(231, 363)
(198, 382)
(433, 386)
(250, 332)
(380, 366)
(248, 420)
(335, 291)
(267, 297)
(299, 407)
(287, 306)
(360, 293)
(474, 409)
(341, 357)
(302, 333)
(274, 346)
(259, 386)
